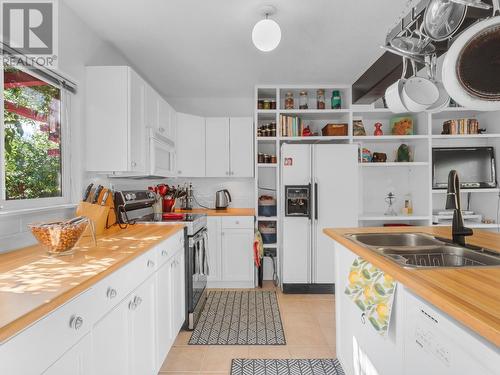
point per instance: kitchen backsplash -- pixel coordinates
(241, 189)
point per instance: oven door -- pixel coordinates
(197, 275)
(161, 157)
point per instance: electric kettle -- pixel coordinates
(222, 199)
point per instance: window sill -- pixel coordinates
(26, 211)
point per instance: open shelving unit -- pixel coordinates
(377, 179)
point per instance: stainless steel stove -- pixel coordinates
(135, 207)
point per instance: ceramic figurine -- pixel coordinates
(403, 154)
(378, 129)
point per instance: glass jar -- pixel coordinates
(320, 99)
(273, 104)
(289, 100)
(303, 100)
(267, 104)
(336, 100)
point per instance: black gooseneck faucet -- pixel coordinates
(459, 231)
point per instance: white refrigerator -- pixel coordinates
(331, 172)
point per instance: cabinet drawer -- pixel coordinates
(36, 348)
(237, 222)
(169, 247)
(114, 288)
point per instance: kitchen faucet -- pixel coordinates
(459, 232)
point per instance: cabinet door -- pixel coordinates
(164, 329)
(190, 145)
(178, 293)
(217, 147)
(214, 247)
(142, 329)
(75, 361)
(110, 341)
(164, 118)
(151, 105)
(137, 140)
(241, 147)
(237, 255)
(173, 124)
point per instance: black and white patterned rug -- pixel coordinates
(239, 318)
(286, 367)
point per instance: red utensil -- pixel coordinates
(163, 189)
(172, 216)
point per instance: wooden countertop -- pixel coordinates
(226, 212)
(32, 283)
(471, 296)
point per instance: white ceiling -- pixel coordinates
(203, 48)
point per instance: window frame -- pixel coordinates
(23, 204)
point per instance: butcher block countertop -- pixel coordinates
(226, 212)
(32, 283)
(470, 295)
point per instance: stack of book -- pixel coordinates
(291, 126)
(461, 126)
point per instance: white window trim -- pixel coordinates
(11, 206)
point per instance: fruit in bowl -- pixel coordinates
(60, 237)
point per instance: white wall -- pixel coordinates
(78, 46)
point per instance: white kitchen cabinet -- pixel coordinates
(115, 120)
(217, 147)
(241, 147)
(75, 361)
(152, 108)
(110, 342)
(190, 145)
(142, 327)
(177, 283)
(359, 347)
(214, 245)
(164, 328)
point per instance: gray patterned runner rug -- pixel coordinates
(286, 367)
(239, 318)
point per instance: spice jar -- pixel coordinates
(320, 99)
(303, 100)
(267, 104)
(336, 100)
(260, 158)
(274, 159)
(289, 100)
(260, 104)
(267, 158)
(273, 104)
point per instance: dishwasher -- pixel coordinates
(436, 344)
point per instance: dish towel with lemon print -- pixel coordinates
(373, 292)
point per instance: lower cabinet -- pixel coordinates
(105, 332)
(76, 361)
(231, 251)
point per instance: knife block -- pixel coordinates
(102, 216)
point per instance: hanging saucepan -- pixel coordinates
(473, 3)
(442, 18)
(444, 99)
(471, 68)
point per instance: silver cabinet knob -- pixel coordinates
(111, 293)
(134, 164)
(137, 300)
(363, 319)
(150, 263)
(76, 322)
(164, 253)
(132, 305)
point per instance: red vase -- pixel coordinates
(378, 129)
(168, 204)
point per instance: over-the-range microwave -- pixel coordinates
(475, 166)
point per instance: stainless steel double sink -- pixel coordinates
(420, 250)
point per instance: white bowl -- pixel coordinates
(419, 94)
(443, 100)
(393, 97)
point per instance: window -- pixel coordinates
(33, 137)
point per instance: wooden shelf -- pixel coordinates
(313, 111)
(267, 218)
(266, 111)
(267, 139)
(394, 164)
(316, 138)
(267, 165)
(465, 136)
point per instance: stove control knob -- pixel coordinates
(128, 196)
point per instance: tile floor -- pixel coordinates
(309, 323)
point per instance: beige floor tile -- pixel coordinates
(310, 352)
(304, 335)
(324, 319)
(218, 358)
(287, 306)
(298, 318)
(182, 338)
(268, 352)
(184, 358)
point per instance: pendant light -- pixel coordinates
(266, 34)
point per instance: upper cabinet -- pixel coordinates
(130, 127)
(229, 147)
(190, 145)
(116, 140)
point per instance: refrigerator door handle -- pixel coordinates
(316, 201)
(309, 209)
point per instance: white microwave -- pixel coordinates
(161, 156)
